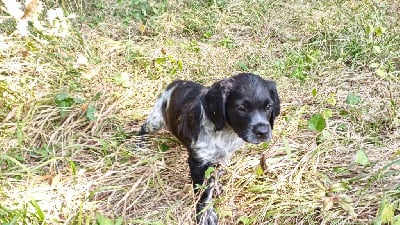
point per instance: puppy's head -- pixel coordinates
(248, 103)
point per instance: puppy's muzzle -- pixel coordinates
(261, 133)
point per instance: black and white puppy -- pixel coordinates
(212, 122)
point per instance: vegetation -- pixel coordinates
(78, 77)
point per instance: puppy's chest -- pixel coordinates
(215, 146)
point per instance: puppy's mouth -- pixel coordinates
(256, 139)
(258, 133)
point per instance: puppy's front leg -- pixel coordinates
(205, 212)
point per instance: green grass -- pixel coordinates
(69, 106)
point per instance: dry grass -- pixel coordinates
(70, 169)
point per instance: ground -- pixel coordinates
(75, 89)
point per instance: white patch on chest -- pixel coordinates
(215, 146)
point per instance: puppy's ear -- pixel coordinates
(214, 102)
(277, 104)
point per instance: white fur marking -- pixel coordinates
(215, 146)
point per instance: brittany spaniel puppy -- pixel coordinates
(212, 122)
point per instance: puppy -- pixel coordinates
(212, 122)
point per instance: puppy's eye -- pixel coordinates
(241, 108)
(268, 107)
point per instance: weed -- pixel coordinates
(143, 11)
(15, 216)
(298, 65)
(102, 220)
(199, 19)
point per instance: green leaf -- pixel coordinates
(39, 211)
(200, 187)
(311, 58)
(385, 214)
(327, 113)
(163, 147)
(119, 221)
(73, 167)
(97, 96)
(316, 123)
(61, 96)
(381, 73)
(299, 73)
(242, 66)
(369, 28)
(245, 220)
(340, 170)
(396, 154)
(91, 110)
(259, 188)
(208, 34)
(362, 158)
(314, 92)
(101, 220)
(343, 112)
(259, 171)
(64, 104)
(63, 101)
(161, 60)
(208, 172)
(180, 64)
(379, 31)
(265, 145)
(331, 100)
(353, 99)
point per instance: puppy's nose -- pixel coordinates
(261, 130)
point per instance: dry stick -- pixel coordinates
(131, 190)
(134, 202)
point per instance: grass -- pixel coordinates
(70, 105)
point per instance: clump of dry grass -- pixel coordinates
(69, 168)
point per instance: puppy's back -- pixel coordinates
(182, 112)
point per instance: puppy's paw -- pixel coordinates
(140, 144)
(141, 140)
(142, 130)
(208, 217)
